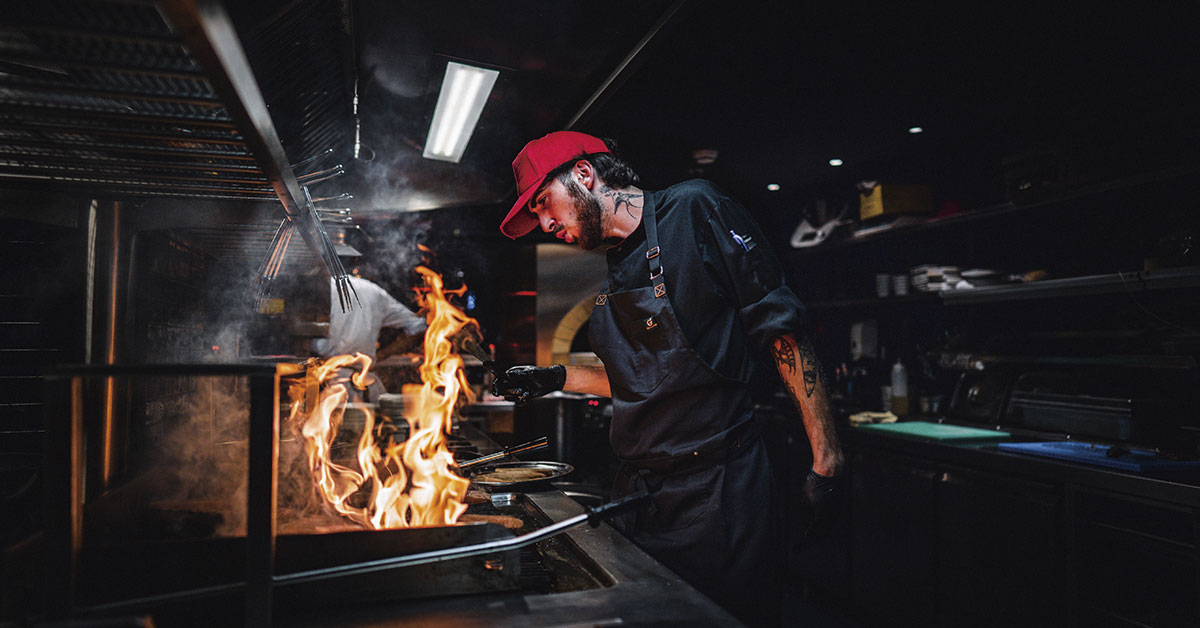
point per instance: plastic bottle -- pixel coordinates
(899, 389)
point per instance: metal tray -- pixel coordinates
(548, 471)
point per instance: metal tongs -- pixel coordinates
(504, 453)
(474, 349)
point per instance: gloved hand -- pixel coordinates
(822, 495)
(522, 383)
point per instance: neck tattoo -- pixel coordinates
(626, 200)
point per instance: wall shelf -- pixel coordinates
(1004, 211)
(916, 298)
(1132, 282)
(1113, 283)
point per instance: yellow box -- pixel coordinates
(891, 198)
(271, 306)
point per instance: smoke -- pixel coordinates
(394, 252)
(195, 438)
(193, 478)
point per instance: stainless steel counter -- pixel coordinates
(1179, 487)
(641, 591)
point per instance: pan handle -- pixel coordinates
(532, 445)
(629, 502)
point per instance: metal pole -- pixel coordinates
(63, 470)
(260, 498)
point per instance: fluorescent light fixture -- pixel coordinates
(835, 162)
(774, 187)
(915, 129)
(465, 90)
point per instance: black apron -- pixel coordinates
(687, 434)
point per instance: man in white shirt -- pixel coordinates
(356, 330)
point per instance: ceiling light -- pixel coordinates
(915, 129)
(704, 156)
(465, 90)
(835, 162)
(774, 187)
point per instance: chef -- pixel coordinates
(693, 295)
(355, 329)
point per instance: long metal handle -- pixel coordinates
(506, 452)
(593, 516)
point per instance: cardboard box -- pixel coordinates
(890, 198)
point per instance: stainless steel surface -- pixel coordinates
(640, 592)
(532, 445)
(451, 553)
(212, 40)
(311, 562)
(551, 471)
(107, 99)
(632, 586)
(101, 97)
(65, 460)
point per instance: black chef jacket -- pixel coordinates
(724, 282)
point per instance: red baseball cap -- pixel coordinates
(531, 166)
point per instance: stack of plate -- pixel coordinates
(980, 277)
(931, 278)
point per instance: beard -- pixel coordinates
(589, 215)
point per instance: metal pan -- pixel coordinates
(518, 473)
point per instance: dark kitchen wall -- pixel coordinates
(42, 279)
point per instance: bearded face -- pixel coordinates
(592, 220)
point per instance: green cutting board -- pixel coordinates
(936, 431)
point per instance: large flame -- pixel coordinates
(410, 483)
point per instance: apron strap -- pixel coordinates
(652, 251)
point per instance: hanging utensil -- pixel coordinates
(269, 269)
(344, 288)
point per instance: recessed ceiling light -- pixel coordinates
(774, 187)
(835, 162)
(704, 156)
(464, 92)
(915, 129)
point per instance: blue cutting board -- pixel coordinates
(1089, 453)
(926, 430)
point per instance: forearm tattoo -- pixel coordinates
(785, 356)
(626, 200)
(809, 367)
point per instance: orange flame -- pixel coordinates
(410, 483)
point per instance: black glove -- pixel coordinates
(821, 494)
(522, 383)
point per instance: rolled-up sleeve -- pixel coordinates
(742, 264)
(398, 315)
